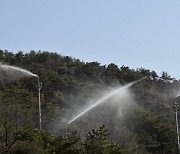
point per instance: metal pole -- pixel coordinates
(39, 90)
(177, 127)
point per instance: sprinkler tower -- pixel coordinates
(176, 113)
(39, 101)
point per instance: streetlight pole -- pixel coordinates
(177, 127)
(39, 90)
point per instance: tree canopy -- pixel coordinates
(148, 124)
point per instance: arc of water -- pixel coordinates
(102, 100)
(13, 73)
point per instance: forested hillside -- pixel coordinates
(140, 119)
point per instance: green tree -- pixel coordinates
(16, 113)
(50, 144)
(96, 143)
(154, 131)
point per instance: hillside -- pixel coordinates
(138, 119)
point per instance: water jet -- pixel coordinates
(103, 99)
(8, 72)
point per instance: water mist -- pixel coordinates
(104, 98)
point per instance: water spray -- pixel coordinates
(8, 72)
(111, 94)
(96, 104)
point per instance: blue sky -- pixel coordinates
(134, 33)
